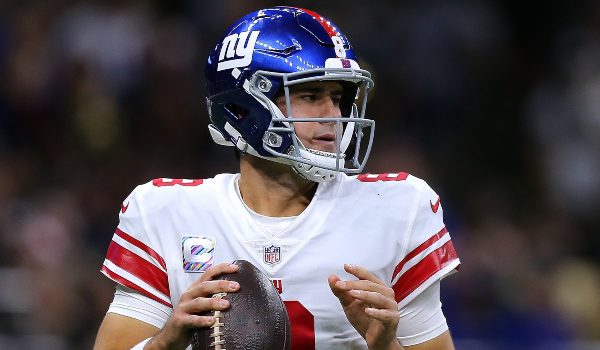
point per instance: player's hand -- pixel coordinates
(370, 307)
(177, 332)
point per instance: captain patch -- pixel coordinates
(198, 253)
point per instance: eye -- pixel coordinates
(336, 99)
(308, 97)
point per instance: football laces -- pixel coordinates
(217, 328)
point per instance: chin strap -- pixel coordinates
(311, 172)
(240, 144)
(347, 137)
(218, 137)
(317, 173)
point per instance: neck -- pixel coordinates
(273, 189)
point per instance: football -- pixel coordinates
(255, 319)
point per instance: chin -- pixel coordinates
(323, 147)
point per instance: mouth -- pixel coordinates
(325, 142)
(327, 137)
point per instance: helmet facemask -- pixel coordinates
(351, 129)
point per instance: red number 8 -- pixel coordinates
(303, 326)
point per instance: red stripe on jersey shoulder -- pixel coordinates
(382, 177)
(139, 267)
(436, 237)
(117, 278)
(330, 29)
(416, 275)
(142, 246)
(162, 182)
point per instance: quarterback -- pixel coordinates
(356, 257)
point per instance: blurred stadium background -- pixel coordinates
(495, 103)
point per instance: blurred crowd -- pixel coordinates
(495, 103)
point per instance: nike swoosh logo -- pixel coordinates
(436, 206)
(124, 207)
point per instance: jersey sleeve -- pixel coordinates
(128, 302)
(429, 254)
(133, 258)
(422, 319)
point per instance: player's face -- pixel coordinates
(314, 100)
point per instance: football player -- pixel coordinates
(357, 258)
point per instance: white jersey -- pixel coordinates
(170, 231)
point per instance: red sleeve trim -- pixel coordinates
(117, 278)
(139, 267)
(142, 246)
(421, 272)
(436, 237)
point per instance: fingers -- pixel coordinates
(189, 311)
(340, 292)
(188, 319)
(197, 299)
(206, 285)
(204, 301)
(208, 288)
(383, 315)
(196, 321)
(188, 315)
(362, 274)
(366, 281)
(196, 303)
(215, 271)
(368, 288)
(374, 300)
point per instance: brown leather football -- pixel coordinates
(255, 319)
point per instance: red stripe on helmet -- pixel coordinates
(329, 28)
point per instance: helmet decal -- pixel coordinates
(243, 49)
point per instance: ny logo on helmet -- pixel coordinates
(240, 46)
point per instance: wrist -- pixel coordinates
(393, 345)
(162, 342)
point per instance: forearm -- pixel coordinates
(160, 342)
(394, 345)
(118, 332)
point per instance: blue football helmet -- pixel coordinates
(259, 58)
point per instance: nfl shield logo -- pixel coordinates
(272, 255)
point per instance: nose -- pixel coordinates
(330, 109)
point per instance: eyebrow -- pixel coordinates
(316, 90)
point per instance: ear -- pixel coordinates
(237, 110)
